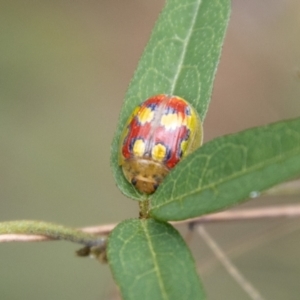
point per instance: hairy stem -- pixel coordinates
(50, 231)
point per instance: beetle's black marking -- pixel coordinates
(152, 106)
(155, 186)
(170, 110)
(188, 110)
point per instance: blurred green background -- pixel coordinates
(64, 69)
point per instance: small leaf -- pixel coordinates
(180, 59)
(150, 260)
(226, 170)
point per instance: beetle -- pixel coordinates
(159, 133)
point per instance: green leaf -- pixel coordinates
(227, 170)
(150, 260)
(180, 59)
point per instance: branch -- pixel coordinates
(229, 266)
(87, 235)
(34, 231)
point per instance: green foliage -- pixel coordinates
(150, 260)
(226, 170)
(148, 257)
(180, 59)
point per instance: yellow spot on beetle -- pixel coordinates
(139, 148)
(159, 152)
(146, 115)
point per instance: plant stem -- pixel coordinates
(228, 265)
(50, 231)
(13, 231)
